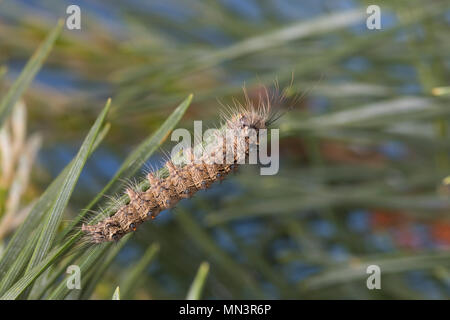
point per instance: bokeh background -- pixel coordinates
(364, 153)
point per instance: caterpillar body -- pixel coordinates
(183, 181)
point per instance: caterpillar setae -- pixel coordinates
(185, 179)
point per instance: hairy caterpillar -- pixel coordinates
(183, 181)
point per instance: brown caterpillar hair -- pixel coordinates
(183, 181)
